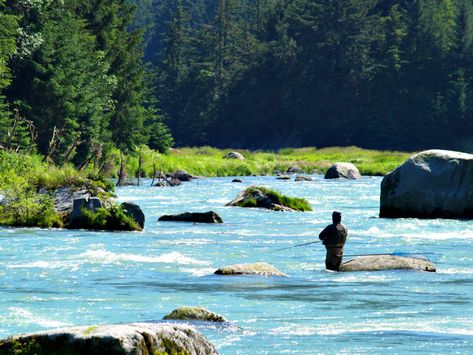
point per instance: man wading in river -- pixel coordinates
(334, 237)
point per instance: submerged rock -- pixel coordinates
(194, 313)
(386, 262)
(134, 211)
(262, 269)
(431, 184)
(303, 178)
(234, 155)
(196, 217)
(126, 339)
(343, 170)
(283, 177)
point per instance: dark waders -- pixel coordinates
(333, 258)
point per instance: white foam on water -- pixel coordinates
(108, 257)
(24, 316)
(42, 264)
(219, 200)
(364, 278)
(452, 271)
(198, 272)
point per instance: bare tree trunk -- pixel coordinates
(154, 173)
(140, 162)
(121, 172)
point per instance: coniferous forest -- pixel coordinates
(80, 78)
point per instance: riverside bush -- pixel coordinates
(108, 218)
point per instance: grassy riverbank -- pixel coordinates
(206, 161)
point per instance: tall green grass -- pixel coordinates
(207, 161)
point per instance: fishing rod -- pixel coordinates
(393, 254)
(299, 245)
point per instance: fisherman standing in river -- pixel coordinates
(334, 237)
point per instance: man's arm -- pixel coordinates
(324, 234)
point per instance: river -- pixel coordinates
(56, 278)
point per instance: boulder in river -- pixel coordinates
(91, 204)
(64, 198)
(182, 175)
(126, 339)
(343, 170)
(430, 184)
(261, 197)
(194, 313)
(234, 155)
(261, 269)
(283, 177)
(386, 262)
(134, 211)
(196, 217)
(237, 180)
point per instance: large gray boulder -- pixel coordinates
(386, 262)
(80, 204)
(127, 339)
(431, 184)
(194, 313)
(343, 170)
(64, 198)
(195, 217)
(134, 211)
(234, 155)
(261, 269)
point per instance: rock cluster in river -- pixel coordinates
(195, 217)
(255, 197)
(431, 184)
(261, 269)
(126, 339)
(194, 313)
(386, 262)
(343, 170)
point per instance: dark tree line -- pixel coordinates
(78, 78)
(72, 82)
(272, 73)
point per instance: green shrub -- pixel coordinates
(108, 218)
(23, 206)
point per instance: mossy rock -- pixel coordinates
(261, 197)
(126, 339)
(194, 313)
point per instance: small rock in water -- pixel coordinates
(343, 170)
(237, 180)
(261, 269)
(283, 177)
(194, 313)
(196, 217)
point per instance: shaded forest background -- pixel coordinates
(77, 78)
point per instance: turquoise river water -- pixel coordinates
(56, 278)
